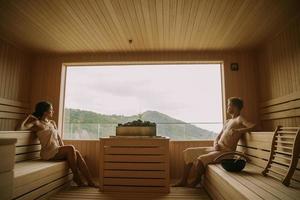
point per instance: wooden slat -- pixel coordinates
(27, 156)
(284, 137)
(280, 100)
(283, 142)
(134, 158)
(133, 142)
(281, 147)
(8, 115)
(5, 108)
(228, 186)
(26, 149)
(24, 188)
(283, 152)
(46, 188)
(14, 103)
(134, 182)
(281, 115)
(254, 152)
(281, 107)
(287, 132)
(136, 189)
(136, 166)
(23, 137)
(134, 174)
(136, 151)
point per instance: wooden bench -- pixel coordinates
(250, 183)
(34, 178)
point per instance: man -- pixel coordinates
(226, 141)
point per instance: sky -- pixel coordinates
(191, 93)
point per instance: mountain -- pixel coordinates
(81, 124)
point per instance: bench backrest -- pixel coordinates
(257, 146)
(11, 112)
(27, 147)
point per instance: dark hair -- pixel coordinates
(41, 108)
(237, 102)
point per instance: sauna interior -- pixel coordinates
(162, 50)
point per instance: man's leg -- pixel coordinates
(186, 172)
(200, 168)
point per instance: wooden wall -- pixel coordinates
(14, 85)
(47, 70)
(90, 151)
(279, 75)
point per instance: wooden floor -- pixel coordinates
(93, 193)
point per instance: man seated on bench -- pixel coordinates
(53, 147)
(226, 141)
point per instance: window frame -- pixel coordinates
(74, 64)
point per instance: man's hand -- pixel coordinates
(217, 147)
(235, 131)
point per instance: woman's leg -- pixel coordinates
(68, 152)
(186, 172)
(82, 166)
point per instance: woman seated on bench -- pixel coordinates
(226, 141)
(53, 147)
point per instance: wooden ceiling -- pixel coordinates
(152, 25)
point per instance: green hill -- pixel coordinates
(81, 124)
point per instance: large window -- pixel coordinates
(184, 100)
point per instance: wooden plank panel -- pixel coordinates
(18, 191)
(132, 142)
(282, 115)
(40, 25)
(134, 174)
(14, 84)
(283, 99)
(281, 107)
(23, 137)
(136, 189)
(134, 158)
(45, 188)
(27, 156)
(278, 75)
(134, 182)
(136, 166)
(5, 108)
(7, 115)
(12, 103)
(136, 151)
(26, 149)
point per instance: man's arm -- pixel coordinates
(218, 138)
(248, 126)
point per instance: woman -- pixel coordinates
(53, 147)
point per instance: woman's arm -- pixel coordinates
(29, 123)
(61, 143)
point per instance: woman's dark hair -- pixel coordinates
(237, 102)
(41, 108)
